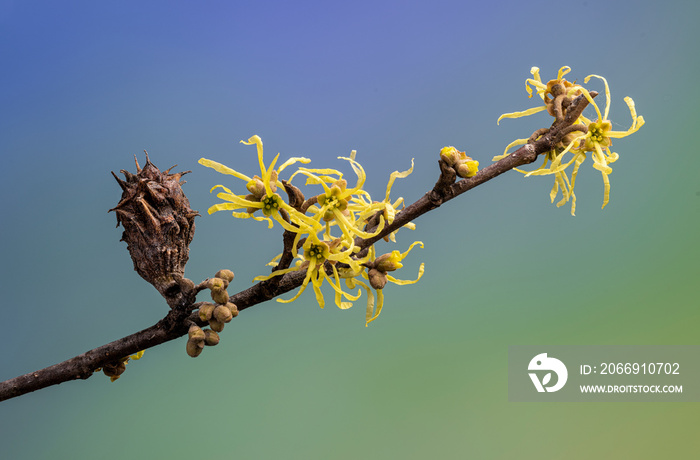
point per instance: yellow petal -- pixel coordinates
(592, 102)
(421, 269)
(293, 160)
(404, 254)
(508, 147)
(397, 175)
(262, 219)
(524, 113)
(223, 207)
(607, 95)
(138, 355)
(563, 71)
(369, 314)
(258, 142)
(218, 167)
(359, 171)
(275, 273)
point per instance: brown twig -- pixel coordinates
(175, 324)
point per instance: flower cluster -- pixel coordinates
(327, 227)
(583, 137)
(216, 314)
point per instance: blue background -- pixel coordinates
(86, 85)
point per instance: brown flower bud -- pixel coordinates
(216, 283)
(226, 275)
(195, 333)
(194, 347)
(219, 296)
(234, 309)
(377, 279)
(206, 310)
(114, 369)
(223, 313)
(216, 325)
(256, 187)
(211, 337)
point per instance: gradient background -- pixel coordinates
(86, 85)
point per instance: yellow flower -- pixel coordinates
(464, 165)
(340, 205)
(382, 264)
(552, 93)
(596, 140)
(321, 255)
(263, 194)
(388, 208)
(315, 254)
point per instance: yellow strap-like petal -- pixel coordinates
(369, 314)
(405, 253)
(508, 147)
(221, 186)
(380, 304)
(397, 175)
(218, 167)
(258, 142)
(239, 201)
(524, 113)
(592, 102)
(359, 171)
(607, 95)
(421, 269)
(223, 207)
(275, 273)
(291, 161)
(563, 71)
(267, 175)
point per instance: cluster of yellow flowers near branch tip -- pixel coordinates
(326, 226)
(586, 136)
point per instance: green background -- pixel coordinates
(86, 85)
